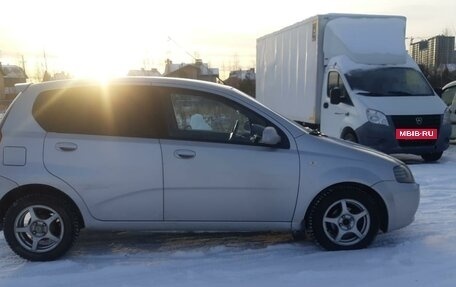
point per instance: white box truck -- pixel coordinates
(351, 77)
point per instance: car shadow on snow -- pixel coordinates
(416, 159)
(121, 243)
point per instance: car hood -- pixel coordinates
(405, 105)
(345, 153)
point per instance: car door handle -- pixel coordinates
(184, 154)
(66, 146)
(346, 114)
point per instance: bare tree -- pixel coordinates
(38, 74)
(235, 65)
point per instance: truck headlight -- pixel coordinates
(403, 174)
(447, 116)
(376, 117)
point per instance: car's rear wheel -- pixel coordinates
(343, 218)
(40, 228)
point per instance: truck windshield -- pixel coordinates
(389, 82)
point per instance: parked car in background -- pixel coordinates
(448, 96)
(124, 155)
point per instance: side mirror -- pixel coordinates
(335, 96)
(270, 136)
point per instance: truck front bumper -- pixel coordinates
(383, 138)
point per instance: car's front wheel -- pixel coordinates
(40, 228)
(343, 218)
(351, 137)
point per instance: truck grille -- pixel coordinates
(417, 122)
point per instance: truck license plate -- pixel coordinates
(416, 134)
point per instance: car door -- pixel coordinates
(335, 117)
(104, 143)
(449, 98)
(453, 117)
(216, 169)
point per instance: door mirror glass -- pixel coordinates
(335, 95)
(270, 136)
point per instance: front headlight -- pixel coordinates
(447, 116)
(403, 174)
(376, 117)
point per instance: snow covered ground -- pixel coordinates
(422, 254)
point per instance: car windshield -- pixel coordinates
(389, 82)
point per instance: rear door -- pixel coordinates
(104, 143)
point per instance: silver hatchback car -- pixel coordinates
(168, 154)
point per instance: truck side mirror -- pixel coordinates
(335, 95)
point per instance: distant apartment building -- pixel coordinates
(434, 52)
(197, 71)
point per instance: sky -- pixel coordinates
(91, 38)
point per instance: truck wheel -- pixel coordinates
(430, 157)
(351, 137)
(343, 218)
(40, 228)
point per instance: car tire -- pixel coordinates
(41, 228)
(343, 218)
(431, 157)
(351, 137)
(298, 235)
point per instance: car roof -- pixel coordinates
(203, 86)
(449, 85)
(159, 81)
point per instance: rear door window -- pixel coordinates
(119, 110)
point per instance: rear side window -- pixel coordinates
(127, 111)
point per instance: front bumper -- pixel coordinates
(383, 138)
(401, 200)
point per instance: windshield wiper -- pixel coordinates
(399, 93)
(368, 94)
(314, 132)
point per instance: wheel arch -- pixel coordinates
(348, 130)
(379, 202)
(28, 189)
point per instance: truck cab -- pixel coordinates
(391, 108)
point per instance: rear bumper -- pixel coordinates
(401, 200)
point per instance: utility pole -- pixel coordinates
(23, 63)
(45, 60)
